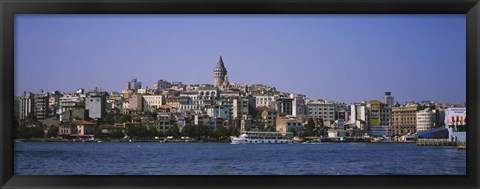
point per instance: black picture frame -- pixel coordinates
(8, 9)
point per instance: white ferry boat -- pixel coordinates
(251, 137)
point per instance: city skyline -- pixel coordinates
(293, 53)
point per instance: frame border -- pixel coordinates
(8, 9)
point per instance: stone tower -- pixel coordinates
(220, 73)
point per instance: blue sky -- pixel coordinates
(347, 58)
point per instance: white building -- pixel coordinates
(152, 102)
(320, 109)
(388, 99)
(425, 120)
(359, 116)
(264, 100)
(189, 100)
(456, 123)
(218, 112)
(26, 105)
(298, 105)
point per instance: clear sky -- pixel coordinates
(347, 58)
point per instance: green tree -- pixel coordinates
(268, 128)
(233, 131)
(52, 132)
(174, 131)
(220, 131)
(188, 130)
(292, 130)
(125, 118)
(110, 119)
(36, 132)
(310, 127)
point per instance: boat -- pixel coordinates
(253, 137)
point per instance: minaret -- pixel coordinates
(219, 73)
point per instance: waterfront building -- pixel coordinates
(220, 78)
(388, 99)
(320, 110)
(164, 122)
(381, 130)
(379, 118)
(26, 105)
(425, 120)
(287, 124)
(456, 123)
(77, 128)
(404, 119)
(342, 119)
(380, 113)
(359, 116)
(72, 110)
(41, 105)
(96, 105)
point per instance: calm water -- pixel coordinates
(44, 158)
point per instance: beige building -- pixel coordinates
(269, 115)
(285, 124)
(404, 119)
(77, 128)
(320, 109)
(425, 120)
(153, 102)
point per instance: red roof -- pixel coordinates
(78, 122)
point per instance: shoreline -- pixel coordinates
(188, 141)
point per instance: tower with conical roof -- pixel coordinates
(220, 73)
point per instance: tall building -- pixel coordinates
(388, 99)
(26, 105)
(425, 120)
(404, 119)
(133, 85)
(220, 78)
(41, 105)
(380, 114)
(96, 106)
(359, 115)
(161, 85)
(320, 110)
(284, 105)
(298, 104)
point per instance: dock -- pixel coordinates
(461, 145)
